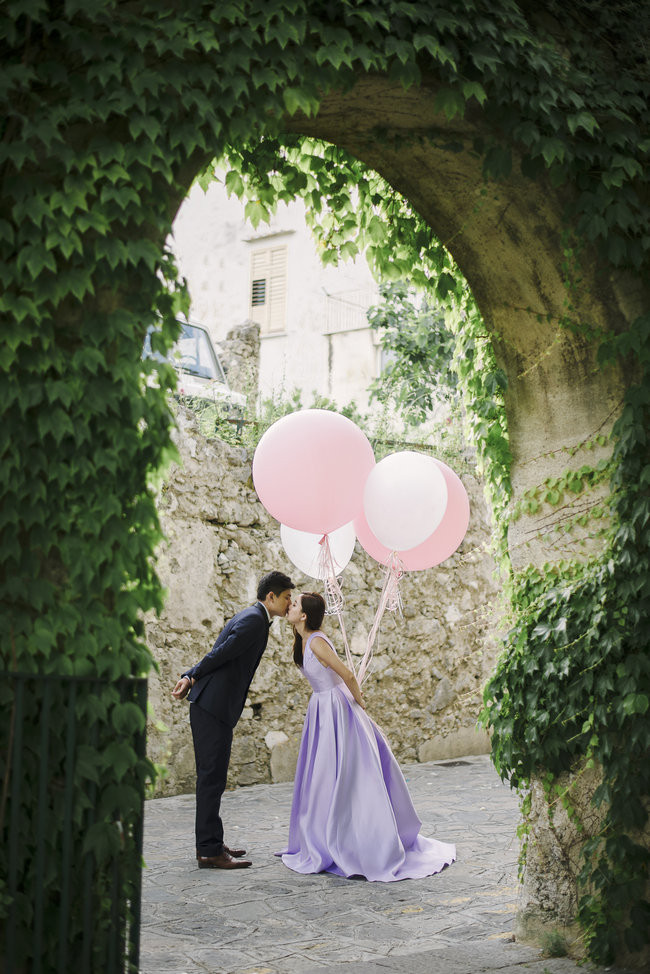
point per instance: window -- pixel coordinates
(258, 293)
(268, 293)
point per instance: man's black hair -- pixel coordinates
(276, 582)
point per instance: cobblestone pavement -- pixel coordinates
(270, 920)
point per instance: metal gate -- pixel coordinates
(73, 775)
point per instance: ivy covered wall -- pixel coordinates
(517, 135)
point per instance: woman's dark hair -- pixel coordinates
(313, 605)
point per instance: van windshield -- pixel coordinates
(193, 353)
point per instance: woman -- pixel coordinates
(352, 814)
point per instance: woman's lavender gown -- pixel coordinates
(352, 813)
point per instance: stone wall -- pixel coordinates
(425, 684)
(240, 357)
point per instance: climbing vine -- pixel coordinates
(109, 111)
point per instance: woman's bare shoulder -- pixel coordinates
(320, 645)
(321, 640)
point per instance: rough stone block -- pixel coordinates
(443, 696)
(458, 744)
(273, 738)
(284, 758)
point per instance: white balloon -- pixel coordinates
(404, 500)
(306, 552)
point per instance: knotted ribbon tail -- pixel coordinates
(327, 572)
(394, 577)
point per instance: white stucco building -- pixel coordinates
(314, 332)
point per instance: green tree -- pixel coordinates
(418, 353)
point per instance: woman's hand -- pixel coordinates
(324, 652)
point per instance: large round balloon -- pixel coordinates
(441, 544)
(310, 468)
(369, 542)
(404, 499)
(306, 551)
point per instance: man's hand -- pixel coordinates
(182, 688)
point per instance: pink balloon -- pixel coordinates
(439, 545)
(368, 541)
(310, 469)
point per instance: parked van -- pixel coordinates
(200, 373)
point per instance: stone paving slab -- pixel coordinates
(270, 920)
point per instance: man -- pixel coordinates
(218, 687)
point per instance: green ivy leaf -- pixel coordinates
(429, 43)
(255, 211)
(300, 99)
(636, 703)
(552, 150)
(450, 101)
(403, 50)
(584, 120)
(474, 89)
(234, 184)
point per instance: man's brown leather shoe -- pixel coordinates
(237, 853)
(222, 861)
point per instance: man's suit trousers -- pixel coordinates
(212, 744)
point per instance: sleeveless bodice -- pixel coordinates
(321, 678)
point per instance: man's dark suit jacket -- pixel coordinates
(224, 674)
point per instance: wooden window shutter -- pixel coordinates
(268, 289)
(278, 289)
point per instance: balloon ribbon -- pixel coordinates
(333, 595)
(390, 599)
